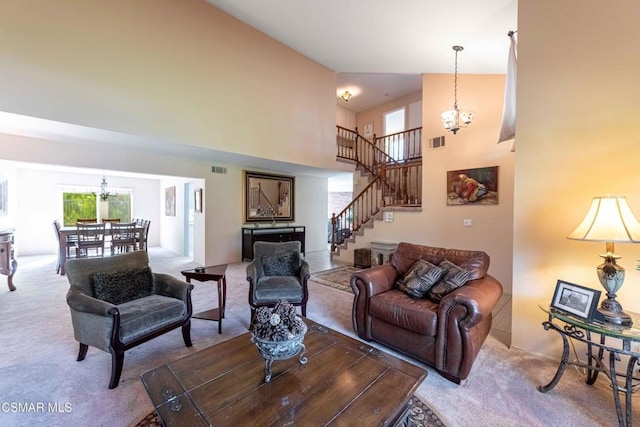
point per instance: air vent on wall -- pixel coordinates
(437, 142)
(218, 169)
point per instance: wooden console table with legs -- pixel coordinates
(250, 235)
(619, 344)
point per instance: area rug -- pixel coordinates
(339, 278)
(418, 415)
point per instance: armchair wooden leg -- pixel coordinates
(304, 310)
(83, 352)
(117, 360)
(186, 333)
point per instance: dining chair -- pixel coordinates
(90, 236)
(69, 243)
(123, 237)
(110, 220)
(142, 234)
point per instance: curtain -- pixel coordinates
(508, 127)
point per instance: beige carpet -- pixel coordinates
(38, 361)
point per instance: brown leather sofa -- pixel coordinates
(447, 335)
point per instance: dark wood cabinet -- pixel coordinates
(273, 234)
(8, 263)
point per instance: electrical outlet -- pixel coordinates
(467, 223)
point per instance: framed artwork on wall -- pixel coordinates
(478, 186)
(268, 197)
(170, 201)
(197, 197)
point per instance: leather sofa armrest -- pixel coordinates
(81, 302)
(463, 325)
(170, 286)
(366, 284)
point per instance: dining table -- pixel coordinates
(65, 232)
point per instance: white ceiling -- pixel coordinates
(385, 45)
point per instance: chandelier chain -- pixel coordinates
(455, 83)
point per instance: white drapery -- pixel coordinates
(508, 127)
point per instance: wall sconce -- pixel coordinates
(346, 95)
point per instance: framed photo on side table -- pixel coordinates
(577, 300)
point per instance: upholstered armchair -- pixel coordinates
(117, 303)
(277, 272)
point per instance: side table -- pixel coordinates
(215, 273)
(571, 327)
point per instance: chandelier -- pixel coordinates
(346, 95)
(455, 119)
(104, 191)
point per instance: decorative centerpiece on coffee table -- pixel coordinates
(278, 333)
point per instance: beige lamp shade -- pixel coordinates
(609, 219)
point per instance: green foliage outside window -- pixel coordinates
(85, 205)
(120, 207)
(78, 205)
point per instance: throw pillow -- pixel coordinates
(454, 278)
(122, 286)
(420, 278)
(281, 264)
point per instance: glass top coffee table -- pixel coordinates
(345, 382)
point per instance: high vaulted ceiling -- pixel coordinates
(397, 40)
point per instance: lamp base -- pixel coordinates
(612, 312)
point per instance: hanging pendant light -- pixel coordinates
(104, 190)
(455, 119)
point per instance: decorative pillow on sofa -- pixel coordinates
(420, 278)
(454, 278)
(123, 286)
(282, 264)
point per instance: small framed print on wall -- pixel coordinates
(197, 197)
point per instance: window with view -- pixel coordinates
(78, 203)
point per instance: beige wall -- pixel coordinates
(177, 71)
(577, 137)
(375, 115)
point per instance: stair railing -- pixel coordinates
(353, 146)
(397, 177)
(401, 146)
(361, 209)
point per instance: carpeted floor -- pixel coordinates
(38, 361)
(338, 277)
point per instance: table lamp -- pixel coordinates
(609, 220)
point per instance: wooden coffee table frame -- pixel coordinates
(345, 382)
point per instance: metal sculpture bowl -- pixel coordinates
(280, 350)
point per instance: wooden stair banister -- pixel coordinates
(394, 180)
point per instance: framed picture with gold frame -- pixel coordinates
(268, 197)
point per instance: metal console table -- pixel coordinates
(582, 330)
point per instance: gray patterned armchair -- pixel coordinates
(117, 303)
(277, 272)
